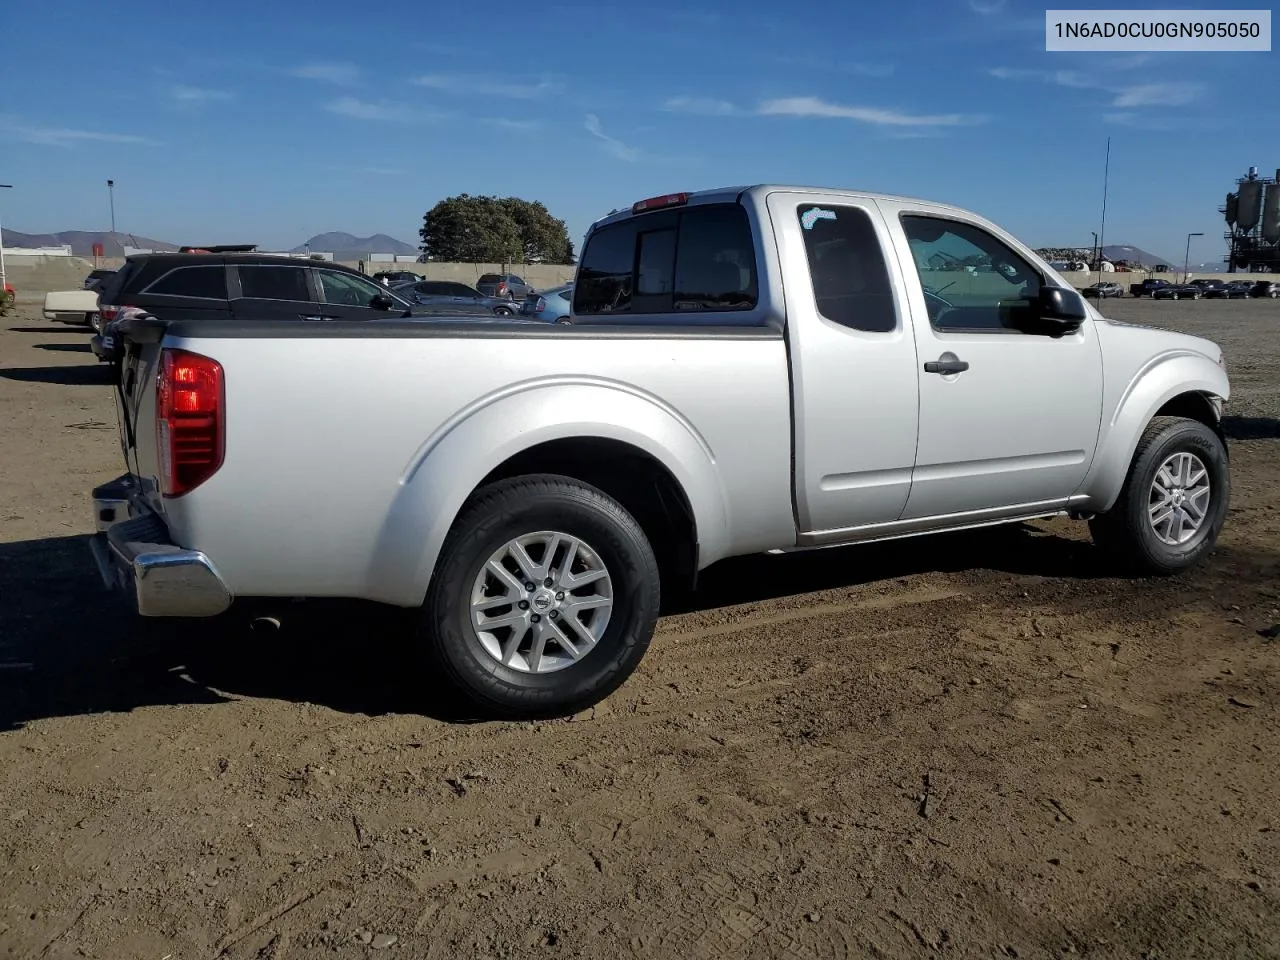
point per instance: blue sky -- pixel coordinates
(267, 123)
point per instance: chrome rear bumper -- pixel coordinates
(135, 555)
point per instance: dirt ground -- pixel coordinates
(975, 745)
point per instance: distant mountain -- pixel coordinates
(345, 243)
(82, 241)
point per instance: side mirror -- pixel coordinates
(1059, 310)
(381, 301)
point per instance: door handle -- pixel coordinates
(310, 318)
(946, 366)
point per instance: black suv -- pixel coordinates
(249, 286)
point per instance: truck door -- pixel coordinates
(854, 385)
(1009, 418)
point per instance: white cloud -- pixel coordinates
(615, 147)
(68, 137)
(339, 72)
(480, 86)
(1061, 78)
(1137, 121)
(185, 94)
(1133, 96)
(369, 110)
(1156, 95)
(813, 107)
(705, 106)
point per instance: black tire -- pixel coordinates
(1125, 532)
(494, 516)
(502, 311)
(565, 320)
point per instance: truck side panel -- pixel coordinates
(345, 456)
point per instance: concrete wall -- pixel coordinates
(33, 277)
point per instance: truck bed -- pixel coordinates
(346, 442)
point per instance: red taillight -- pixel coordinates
(190, 425)
(502, 286)
(542, 305)
(657, 203)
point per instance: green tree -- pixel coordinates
(483, 229)
(467, 229)
(542, 236)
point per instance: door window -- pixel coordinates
(346, 290)
(847, 267)
(973, 282)
(264, 282)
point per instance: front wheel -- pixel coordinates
(1174, 501)
(544, 599)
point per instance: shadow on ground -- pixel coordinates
(68, 647)
(65, 347)
(57, 329)
(98, 375)
(1251, 428)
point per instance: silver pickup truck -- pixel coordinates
(754, 369)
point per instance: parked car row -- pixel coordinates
(1203, 288)
(205, 285)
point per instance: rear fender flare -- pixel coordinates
(456, 458)
(1165, 377)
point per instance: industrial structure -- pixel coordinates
(1252, 213)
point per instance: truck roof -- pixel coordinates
(731, 194)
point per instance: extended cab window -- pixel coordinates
(208, 282)
(695, 259)
(264, 282)
(973, 282)
(847, 267)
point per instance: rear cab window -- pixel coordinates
(694, 259)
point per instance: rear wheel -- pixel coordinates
(544, 600)
(1174, 501)
(564, 320)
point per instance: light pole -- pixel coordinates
(3, 278)
(1094, 255)
(1186, 259)
(111, 194)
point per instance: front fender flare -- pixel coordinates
(459, 454)
(1163, 378)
